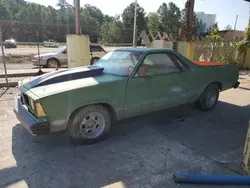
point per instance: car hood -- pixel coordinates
(64, 80)
(47, 54)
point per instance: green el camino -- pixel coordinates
(85, 101)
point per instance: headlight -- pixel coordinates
(32, 104)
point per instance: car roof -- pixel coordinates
(145, 50)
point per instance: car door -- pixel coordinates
(156, 84)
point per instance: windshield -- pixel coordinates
(119, 63)
(61, 50)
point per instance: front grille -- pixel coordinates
(25, 100)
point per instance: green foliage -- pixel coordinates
(228, 28)
(170, 16)
(25, 18)
(111, 32)
(128, 17)
(53, 23)
(213, 34)
(95, 13)
(198, 26)
(153, 23)
(245, 43)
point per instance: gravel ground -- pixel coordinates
(140, 152)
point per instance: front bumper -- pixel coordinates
(28, 120)
(10, 45)
(236, 85)
(36, 63)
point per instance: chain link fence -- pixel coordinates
(21, 42)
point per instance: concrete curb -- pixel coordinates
(27, 74)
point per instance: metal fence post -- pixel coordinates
(3, 57)
(38, 53)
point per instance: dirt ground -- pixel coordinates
(141, 152)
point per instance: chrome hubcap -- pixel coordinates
(92, 125)
(211, 98)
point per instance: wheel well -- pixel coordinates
(105, 105)
(54, 59)
(110, 109)
(218, 84)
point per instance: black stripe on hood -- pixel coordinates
(67, 75)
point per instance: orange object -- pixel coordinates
(164, 37)
(57, 66)
(207, 63)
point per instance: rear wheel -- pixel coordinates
(209, 98)
(52, 63)
(90, 125)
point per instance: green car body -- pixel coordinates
(123, 96)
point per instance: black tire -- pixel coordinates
(51, 63)
(83, 126)
(93, 60)
(209, 98)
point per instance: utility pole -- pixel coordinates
(77, 16)
(235, 24)
(190, 17)
(134, 30)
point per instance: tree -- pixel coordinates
(213, 34)
(170, 17)
(128, 17)
(111, 32)
(94, 12)
(245, 43)
(4, 14)
(108, 18)
(90, 26)
(199, 27)
(228, 28)
(153, 23)
(214, 37)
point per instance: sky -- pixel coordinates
(225, 10)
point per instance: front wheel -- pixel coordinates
(209, 98)
(91, 124)
(52, 63)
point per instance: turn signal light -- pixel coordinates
(39, 110)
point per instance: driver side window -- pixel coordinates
(157, 63)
